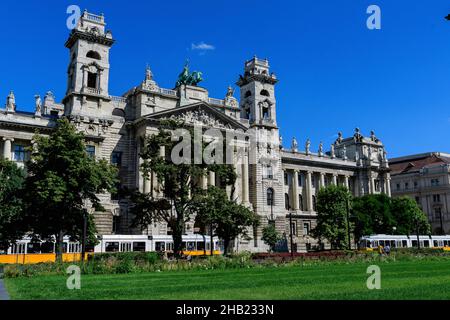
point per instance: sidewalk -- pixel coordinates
(3, 294)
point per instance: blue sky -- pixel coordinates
(335, 74)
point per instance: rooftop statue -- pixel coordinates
(189, 78)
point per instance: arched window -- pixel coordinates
(314, 203)
(300, 202)
(270, 197)
(248, 94)
(265, 93)
(118, 112)
(93, 55)
(286, 201)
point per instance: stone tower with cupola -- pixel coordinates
(88, 71)
(258, 107)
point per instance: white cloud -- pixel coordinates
(202, 46)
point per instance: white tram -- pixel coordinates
(400, 241)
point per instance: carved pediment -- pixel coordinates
(201, 115)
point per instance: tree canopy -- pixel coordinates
(62, 181)
(224, 217)
(12, 224)
(332, 220)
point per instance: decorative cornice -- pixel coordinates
(76, 35)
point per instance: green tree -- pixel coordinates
(332, 222)
(270, 236)
(179, 181)
(12, 225)
(372, 215)
(224, 217)
(410, 219)
(63, 181)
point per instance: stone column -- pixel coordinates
(154, 185)
(204, 182)
(372, 183)
(387, 185)
(335, 180)
(295, 201)
(7, 152)
(212, 179)
(322, 180)
(245, 184)
(346, 182)
(309, 200)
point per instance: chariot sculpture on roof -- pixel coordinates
(189, 78)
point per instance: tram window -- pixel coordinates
(48, 247)
(414, 243)
(435, 244)
(169, 246)
(125, 247)
(90, 248)
(382, 243)
(404, 243)
(139, 246)
(160, 246)
(18, 248)
(190, 246)
(34, 247)
(64, 247)
(183, 245)
(111, 246)
(445, 243)
(200, 245)
(375, 243)
(426, 244)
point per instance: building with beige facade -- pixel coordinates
(425, 178)
(279, 183)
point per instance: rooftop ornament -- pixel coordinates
(189, 78)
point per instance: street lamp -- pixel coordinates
(83, 242)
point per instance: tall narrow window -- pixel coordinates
(270, 196)
(19, 153)
(92, 80)
(286, 201)
(90, 150)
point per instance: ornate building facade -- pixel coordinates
(280, 184)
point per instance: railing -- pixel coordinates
(168, 92)
(93, 17)
(118, 99)
(92, 90)
(217, 102)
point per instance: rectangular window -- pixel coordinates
(294, 228)
(286, 179)
(90, 150)
(92, 80)
(398, 186)
(112, 246)
(436, 198)
(267, 171)
(306, 228)
(116, 158)
(434, 182)
(417, 200)
(300, 179)
(19, 153)
(416, 184)
(406, 185)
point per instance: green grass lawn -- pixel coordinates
(419, 279)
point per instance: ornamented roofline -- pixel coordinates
(76, 34)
